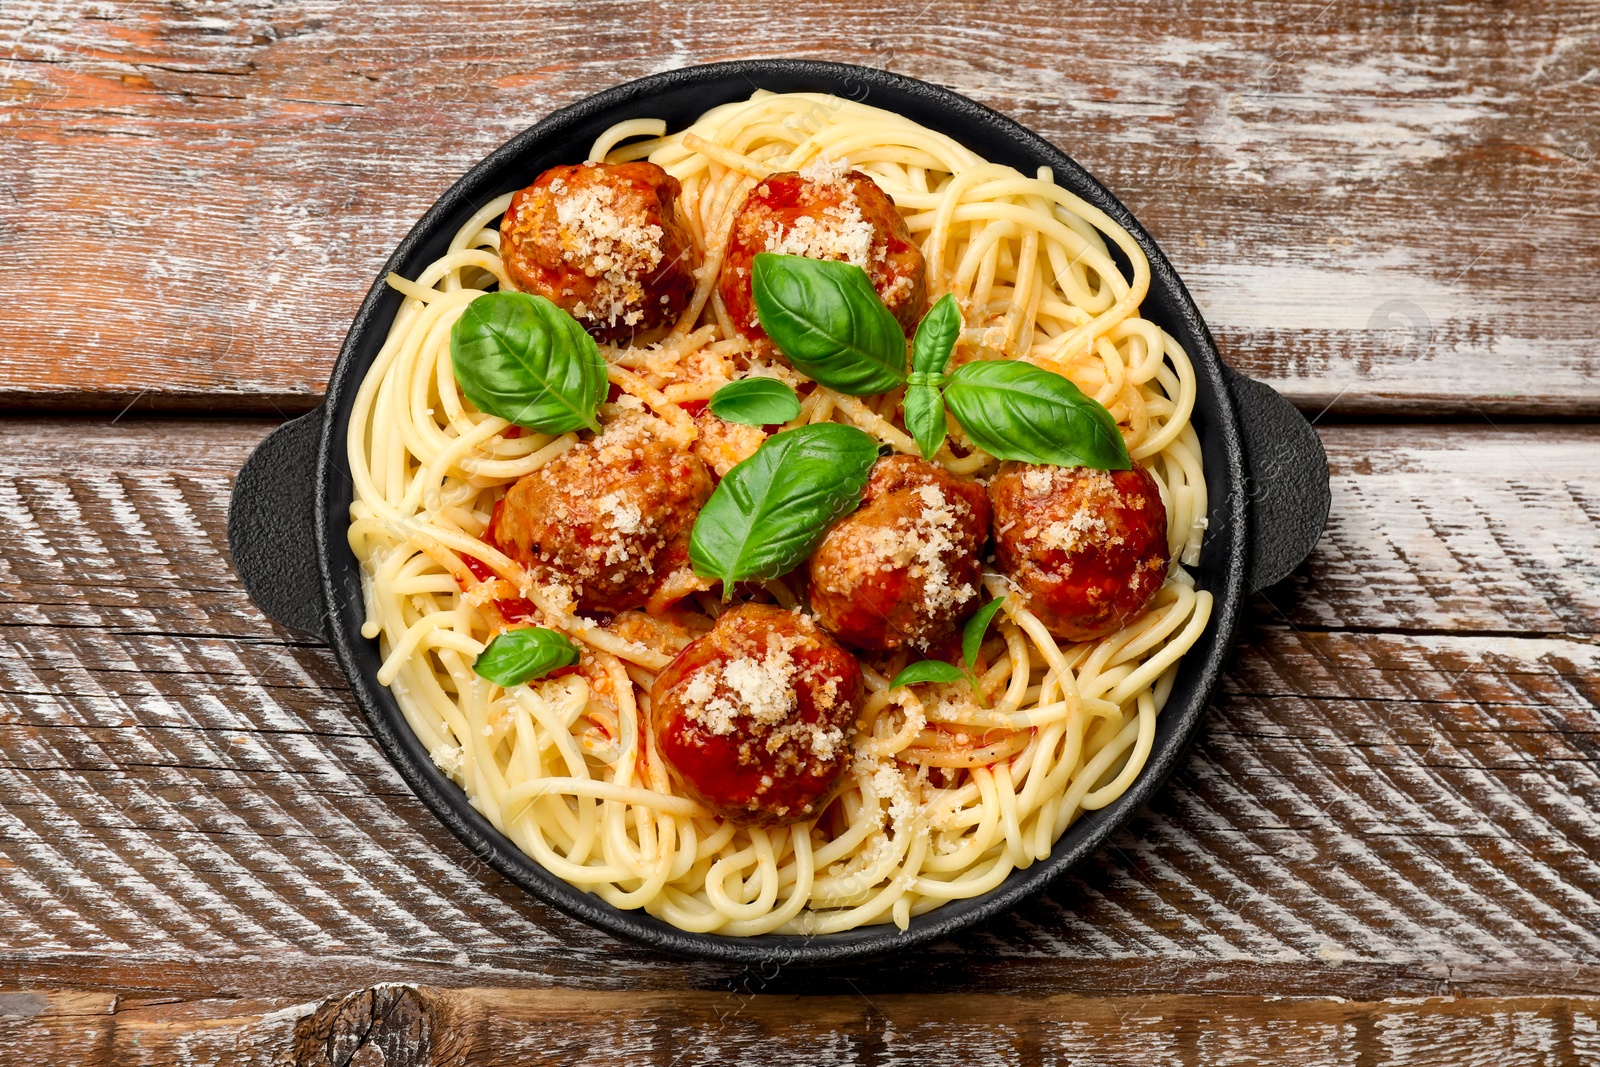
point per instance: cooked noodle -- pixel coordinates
(943, 797)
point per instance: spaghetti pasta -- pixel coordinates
(945, 794)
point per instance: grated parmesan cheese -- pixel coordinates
(922, 544)
(890, 785)
(825, 743)
(933, 535)
(1083, 530)
(1038, 480)
(599, 237)
(625, 517)
(825, 171)
(1093, 497)
(596, 237)
(448, 758)
(757, 691)
(840, 231)
(762, 689)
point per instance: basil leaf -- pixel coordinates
(927, 670)
(930, 351)
(826, 317)
(517, 656)
(973, 633)
(1014, 410)
(770, 511)
(924, 409)
(936, 336)
(755, 402)
(519, 356)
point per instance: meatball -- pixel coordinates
(843, 218)
(1087, 549)
(608, 518)
(902, 569)
(606, 242)
(754, 719)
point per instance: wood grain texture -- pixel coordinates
(1395, 795)
(1378, 206)
(1456, 529)
(410, 1026)
(1384, 848)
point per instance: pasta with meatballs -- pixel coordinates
(754, 618)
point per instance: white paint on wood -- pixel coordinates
(1358, 800)
(1327, 168)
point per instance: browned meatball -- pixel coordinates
(606, 242)
(902, 569)
(1086, 548)
(754, 718)
(847, 218)
(608, 518)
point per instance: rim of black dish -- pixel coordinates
(563, 136)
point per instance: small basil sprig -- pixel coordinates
(930, 351)
(519, 356)
(770, 511)
(973, 633)
(937, 670)
(517, 656)
(1014, 410)
(826, 317)
(755, 402)
(928, 670)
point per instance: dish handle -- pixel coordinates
(272, 526)
(1286, 477)
(271, 518)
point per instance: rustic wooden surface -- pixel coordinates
(1391, 206)
(1385, 847)
(1394, 799)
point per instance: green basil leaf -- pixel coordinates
(936, 336)
(924, 409)
(973, 633)
(770, 511)
(928, 670)
(519, 356)
(826, 317)
(1014, 410)
(930, 351)
(755, 402)
(517, 656)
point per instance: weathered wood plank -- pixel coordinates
(1457, 528)
(1436, 529)
(409, 1026)
(187, 797)
(1439, 821)
(310, 975)
(1379, 207)
(71, 1028)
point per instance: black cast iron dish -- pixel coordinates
(1265, 467)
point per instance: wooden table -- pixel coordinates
(1384, 848)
